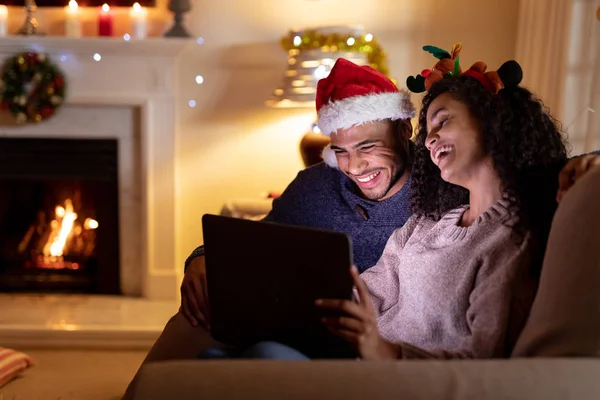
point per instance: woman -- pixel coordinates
(458, 280)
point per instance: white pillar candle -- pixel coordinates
(3, 19)
(72, 21)
(138, 18)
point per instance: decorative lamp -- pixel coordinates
(311, 55)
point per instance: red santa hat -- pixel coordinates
(353, 95)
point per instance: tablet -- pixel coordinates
(263, 279)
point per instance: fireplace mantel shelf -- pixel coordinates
(87, 46)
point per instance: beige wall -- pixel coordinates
(230, 145)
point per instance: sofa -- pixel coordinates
(556, 356)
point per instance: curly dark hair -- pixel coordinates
(524, 142)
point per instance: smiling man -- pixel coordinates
(362, 188)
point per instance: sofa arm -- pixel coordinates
(494, 379)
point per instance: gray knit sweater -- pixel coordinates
(446, 291)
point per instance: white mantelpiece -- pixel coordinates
(130, 94)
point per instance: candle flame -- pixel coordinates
(73, 6)
(137, 7)
(105, 8)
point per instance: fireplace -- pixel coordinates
(130, 95)
(59, 215)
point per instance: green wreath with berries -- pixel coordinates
(32, 88)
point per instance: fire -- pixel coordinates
(63, 229)
(60, 230)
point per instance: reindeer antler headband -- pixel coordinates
(509, 74)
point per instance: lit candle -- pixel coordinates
(138, 16)
(72, 23)
(3, 19)
(105, 21)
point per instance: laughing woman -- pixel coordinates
(458, 280)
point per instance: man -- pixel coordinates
(362, 189)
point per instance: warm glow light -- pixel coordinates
(63, 325)
(97, 57)
(73, 6)
(105, 8)
(304, 90)
(90, 223)
(199, 79)
(298, 83)
(368, 37)
(350, 41)
(137, 12)
(297, 41)
(321, 72)
(310, 64)
(3, 11)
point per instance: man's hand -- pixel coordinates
(573, 171)
(194, 297)
(358, 323)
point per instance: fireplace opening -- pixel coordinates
(59, 221)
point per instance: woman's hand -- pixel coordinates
(573, 171)
(358, 323)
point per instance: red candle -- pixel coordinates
(105, 21)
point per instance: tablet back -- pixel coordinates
(263, 279)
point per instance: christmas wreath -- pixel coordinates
(32, 88)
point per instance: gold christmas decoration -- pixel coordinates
(311, 55)
(314, 39)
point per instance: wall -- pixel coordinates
(230, 145)
(581, 104)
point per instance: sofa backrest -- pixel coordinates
(565, 317)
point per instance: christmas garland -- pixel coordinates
(315, 40)
(32, 88)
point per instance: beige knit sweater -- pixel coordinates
(445, 291)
